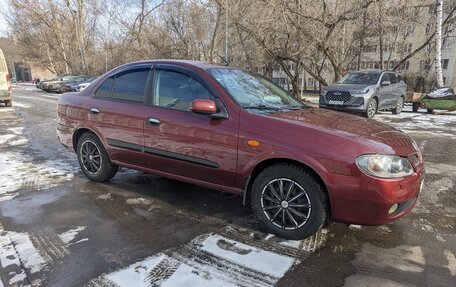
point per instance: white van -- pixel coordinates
(5, 84)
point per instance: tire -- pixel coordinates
(9, 103)
(415, 107)
(371, 110)
(303, 183)
(430, 111)
(399, 106)
(90, 148)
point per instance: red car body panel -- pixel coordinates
(215, 153)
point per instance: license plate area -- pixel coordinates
(338, 103)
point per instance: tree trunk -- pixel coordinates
(438, 43)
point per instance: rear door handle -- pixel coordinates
(153, 121)
(94, 111)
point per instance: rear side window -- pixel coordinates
(104, 91)
(130, 86)
(126, 86)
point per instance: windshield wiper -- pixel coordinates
(262, 107)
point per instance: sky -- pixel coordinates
(3, 24)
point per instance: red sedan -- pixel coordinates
(234, 131)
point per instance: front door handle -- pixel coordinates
(153, 121)
(94, 111)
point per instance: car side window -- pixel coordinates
(393, 78)
(104, 91)
(176, 90)
(385, 77)
(130, 86)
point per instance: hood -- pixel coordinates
(376, 136)
(346, 87)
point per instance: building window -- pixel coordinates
(445, 64)
(429, 28)
(432, 10)
(409, 30)
(409, 48)
(424, 65)
(310, 81)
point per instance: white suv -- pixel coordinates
(5, 84)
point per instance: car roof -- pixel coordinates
(198, 64)
(374, 71)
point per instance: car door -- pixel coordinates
(116, 113)
(385, 95)
(184, 143)
(395, 88)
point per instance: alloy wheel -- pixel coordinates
(372, 108)
(91, 157)
(400, 105)
(285, 203)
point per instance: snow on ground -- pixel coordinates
(208, 260)
(19, 171)
(71, 234)
(18, 253)
(407, 121)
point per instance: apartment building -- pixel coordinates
(399, 38)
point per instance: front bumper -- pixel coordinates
(354, 103)
(367, 200)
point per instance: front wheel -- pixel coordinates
(415, 107)
(94, 160)
(289, 202)
(399, 106)
(371, 108)
(9, 103)
(430, 111)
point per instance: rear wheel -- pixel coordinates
(289, 202)
(93, 159)
(415, 107)
(430, 111)
(399, 106)
(371, 108)
(9, 103)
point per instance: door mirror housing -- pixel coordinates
(203, 106)
(386, 83)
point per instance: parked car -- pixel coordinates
(73, 85)
(237, 132)
(82, 86)
(41, 84)
(57, 86)
(5, 83)
(366, 92)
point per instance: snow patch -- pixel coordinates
(248, 256)
(208, 260)
(69, 235)
(17, 248)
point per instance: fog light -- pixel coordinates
(393, 208)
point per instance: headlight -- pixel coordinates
(384, 166)
(323, 92)
(360, 92)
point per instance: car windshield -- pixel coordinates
(361, 78)
(69, 78)
(253, 91)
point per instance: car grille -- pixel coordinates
(338, 96)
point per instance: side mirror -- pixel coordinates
(202, 106)
(386, 83)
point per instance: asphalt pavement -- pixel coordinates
(59, 229)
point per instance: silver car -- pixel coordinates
(366, 92)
